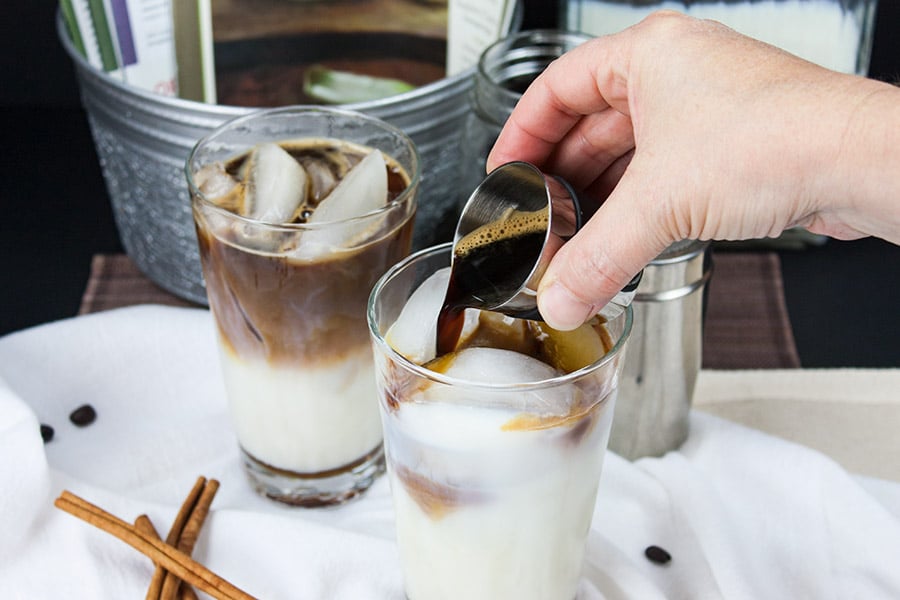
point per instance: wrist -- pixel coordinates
(859, 182)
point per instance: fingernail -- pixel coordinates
(562, 310)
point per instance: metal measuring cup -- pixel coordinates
(510, 272)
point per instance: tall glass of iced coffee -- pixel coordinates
(494, 449)
(298, 212)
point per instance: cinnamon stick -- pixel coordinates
(188, 538)
(144, 524)
(186, 592)
(184, 513)
(170, 558)
(154, 591)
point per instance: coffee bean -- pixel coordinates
(83, 415)
(657, 555)
(46, 433)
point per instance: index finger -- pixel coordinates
(584, 81)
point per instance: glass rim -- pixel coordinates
(421, 371)
(406, 196)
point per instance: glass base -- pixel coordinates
(311, 490)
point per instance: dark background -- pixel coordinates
(843, 297)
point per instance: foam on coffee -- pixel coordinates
(516, 224)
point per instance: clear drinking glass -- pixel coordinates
(494, 484)
(289, 303)
(836, 34)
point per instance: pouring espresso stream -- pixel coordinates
(509, 230)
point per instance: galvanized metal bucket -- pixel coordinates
(142, 140)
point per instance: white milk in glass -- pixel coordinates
(494, 470)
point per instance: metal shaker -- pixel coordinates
(657, 382)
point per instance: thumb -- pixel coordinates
(625, 234)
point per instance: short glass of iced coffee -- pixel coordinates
(494, 448)
(298, 212)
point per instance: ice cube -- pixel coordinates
(276, 186)
(414, 333)
(573, 350)
(215, 183)
(363, 190)
(499, 366)
(490, 329)
(321, 178)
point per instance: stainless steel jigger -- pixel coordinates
(512, 189)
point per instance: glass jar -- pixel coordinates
(836, 34)
(505, 70)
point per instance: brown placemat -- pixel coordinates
(747, 324)
(115, 282)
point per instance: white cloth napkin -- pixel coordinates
(743, 514)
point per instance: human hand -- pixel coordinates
(692, 131)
